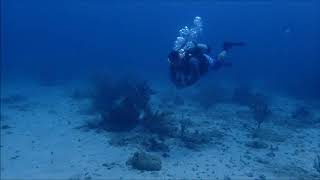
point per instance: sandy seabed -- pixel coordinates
(40, 140)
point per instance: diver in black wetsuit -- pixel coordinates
(187, 70)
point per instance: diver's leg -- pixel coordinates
(176, 77)
(194, 71)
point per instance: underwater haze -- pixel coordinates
(58, 37)
(86, 91)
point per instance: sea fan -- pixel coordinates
(260, 112)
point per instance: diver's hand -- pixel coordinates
(222, 56)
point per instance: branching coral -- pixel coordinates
(124, 104)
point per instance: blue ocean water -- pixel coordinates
(61, 42)
(58, 37)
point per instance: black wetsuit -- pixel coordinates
(187, 71)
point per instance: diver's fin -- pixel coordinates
(228, 45)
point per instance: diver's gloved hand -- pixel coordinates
(222, 55)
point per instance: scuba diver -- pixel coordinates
(189, 60)
(187, 70)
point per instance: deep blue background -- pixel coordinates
(74, 39)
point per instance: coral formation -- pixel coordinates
(124, 104)
(121, 103)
